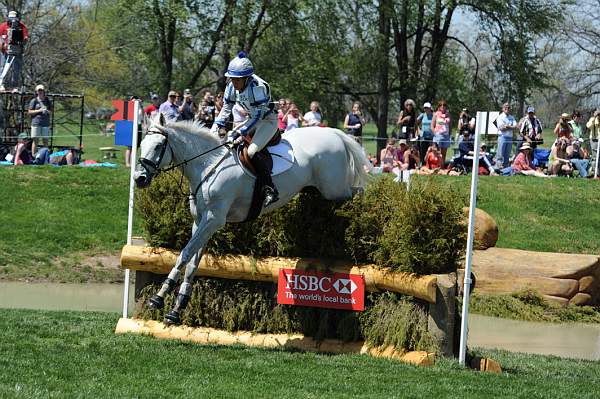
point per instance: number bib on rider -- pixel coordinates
(322, 290)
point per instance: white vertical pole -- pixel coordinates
(470, 233)
(597, 153)
(132, 161)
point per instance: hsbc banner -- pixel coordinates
(322, 290)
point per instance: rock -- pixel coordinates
(558, 277)
(586, 284)
(581, 299)
(486, 229)
(486, 364)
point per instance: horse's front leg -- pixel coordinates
(157, 301)
(211, 221)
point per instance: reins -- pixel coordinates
(185, 162)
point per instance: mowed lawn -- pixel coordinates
(53, 218)
(77, 355)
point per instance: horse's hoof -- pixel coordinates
(156, 302)
(172, 318)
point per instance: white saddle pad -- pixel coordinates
(283, 157)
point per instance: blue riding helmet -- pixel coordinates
(239, 67)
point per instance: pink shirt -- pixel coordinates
(521, 162)
(280, 123)
(442, 122)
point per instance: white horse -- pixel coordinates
(221, 191)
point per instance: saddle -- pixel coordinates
(243, 152)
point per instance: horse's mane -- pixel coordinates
(193, 134)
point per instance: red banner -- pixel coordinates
(322, 290)
(124, 110)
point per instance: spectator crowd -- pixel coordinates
(420, 142)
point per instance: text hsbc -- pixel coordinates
(307, 283)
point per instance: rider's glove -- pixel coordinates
(235, 137)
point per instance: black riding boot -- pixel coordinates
(263, 173)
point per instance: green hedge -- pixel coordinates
(389, 319)
(417, 230)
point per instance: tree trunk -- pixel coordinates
(385, 8)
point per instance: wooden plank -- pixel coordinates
(206, 335)
(161, 261)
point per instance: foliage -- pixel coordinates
(394, 321)
(252, 306)
(167, 225)
(421, 228)
(530, 305)
(417, 230)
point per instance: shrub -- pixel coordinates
(417, 230)
(252, 306)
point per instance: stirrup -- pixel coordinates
(271, 196)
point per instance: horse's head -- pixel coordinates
(155, 153)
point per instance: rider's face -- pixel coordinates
(239, 83)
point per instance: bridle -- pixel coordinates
(155, 165)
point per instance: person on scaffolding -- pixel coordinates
(254, 95)
(14, 35)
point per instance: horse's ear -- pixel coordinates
(161, 119)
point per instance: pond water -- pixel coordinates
(574, 340)
(56, 296)
(581, 341)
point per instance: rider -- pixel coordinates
(254, 95)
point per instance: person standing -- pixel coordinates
(14, 35)
(407, 121)
(593, 126)
(530, 130)
(40, 108)
(426, 134)
(354, 122)
(576, 126)
(152, 109)
(188, 107)
(506, 124)
(313, 117)
(170, 109)
(440, 125)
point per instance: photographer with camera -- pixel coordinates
(14, 35)
(466, 123)
(207, 109)
(530, 130)
(563, 128)
(188, 107)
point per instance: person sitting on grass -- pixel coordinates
(522, 163)
(579, 157)
(23, 150)
(411, 158)
(433, 160)
(560, 163)
(389, 157)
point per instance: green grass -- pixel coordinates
(51, 216)
(76, 354)
(531, 306)
(550, 215)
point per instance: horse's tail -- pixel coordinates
(357, 160)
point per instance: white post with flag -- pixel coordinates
(481, 116)
(132, 161)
